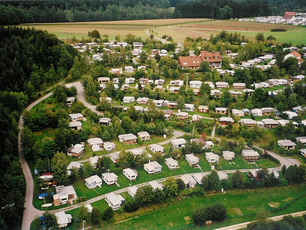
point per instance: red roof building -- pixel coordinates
(289, 15)
(193, 62)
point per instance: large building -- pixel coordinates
(214, 60)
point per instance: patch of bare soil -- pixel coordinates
(274, 204)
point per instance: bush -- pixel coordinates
(108, 214)
(131, 206)
(216, 212)
(278, 30)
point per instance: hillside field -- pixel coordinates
(178, 29)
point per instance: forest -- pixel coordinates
(30, 61)
(16, 12)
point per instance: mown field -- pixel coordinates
(241, 206)
(178, 29)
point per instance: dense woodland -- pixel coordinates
(30, 61)
(15, 12)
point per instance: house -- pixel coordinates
(73, 164)
(189, 107)
(129, 69)
(63, 219)
(249, 92)
(188, 181)
(131, 174)
(248, 122)
(76, 117)
(270, 123)
(222, 175)
(203, 109)
(127, 139)
(209, 144)
(267, 111)
(174, 89)
(256, 112)
(290, 114)
(198, 177)
(246, 112)
(211, 157)
(93, 181)
(76, 151)
(215, 92)
(139, 109)
(221, 110)
(193, 62)
(298, 109)
(115, 80)
(64, 194)
(171, 163)
(94, 161)
(114, 201)
(156, 185)
(239, 86)
(103, 80)
(132, 191)
(238, 112)
(168, 114)
(289, 15)
(303, 152)
(235, 93)
(136, 152)
(178, 143)
(250, 155)
(224, 121)
(109, 146)
(228, 155)
(199, 141)
(195, 118)
(70, 101)
(283, 122)
(252, 173)
(177, 83)
(95, 143)
(124, 87)
(192, 160)
(182, 115)
(109, 178)
(286, 144)
(159, 103)
(222, 85)
(137, 45)
(114, 157)
(142, 100)
(152, 167)
(156, 148)
(144, 136)
(75, 125)
(105, 121)
(128, 99)
(195, 84)
(296, 55)
(172, 105)
(301, 140)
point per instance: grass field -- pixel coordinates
(241, 205)
(178, 29)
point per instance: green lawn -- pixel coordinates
(241, 206)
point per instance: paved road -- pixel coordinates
(30, 212)
(274, 218)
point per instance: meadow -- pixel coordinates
(178, 29)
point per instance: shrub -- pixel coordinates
(131, 206)
(278, 30)
(108, 214)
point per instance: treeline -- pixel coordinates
(219, 9)
(72, 12)
(29, 60)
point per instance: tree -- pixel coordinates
(205, 89)
(108, 214)
(226, 99)
(238, 180)
(180, 102)
(204, 66)
(211, 182)
(27, 142)
(180, 184)
(199, 215)
(48, 149)
(171, 187)
(291, 65)
(143, 57)
(82, 214)
(130, 206)
(49, 221)
(59, 165)
(260, 37)
(95, 215)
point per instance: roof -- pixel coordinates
(74, 164)
(157, 147)
(132, 189)
(171, 161)
(210, 56)
(192, 158)
(269, 122)
(178, 141)
(156, 185)
(95, 141)
(109, 176)
(127, 137)
(129, 171)
(285, 143)
(92, 179)
(114, 199)
(75, 124)
(250, 153)
(143, 134)
(62, 218)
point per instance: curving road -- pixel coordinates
(31, 212)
